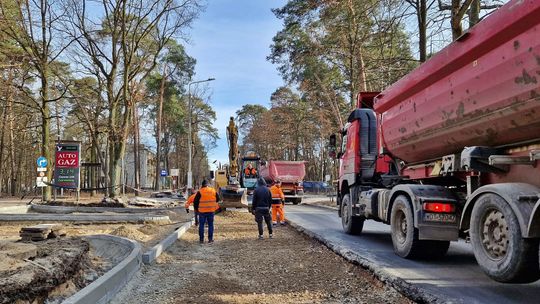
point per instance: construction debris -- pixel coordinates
(167, 194)
(155, 202)
(41, 232)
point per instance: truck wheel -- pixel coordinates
(405, 236)
(497, 243)
(351, 224)
(296, 201)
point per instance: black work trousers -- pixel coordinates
(260, 214)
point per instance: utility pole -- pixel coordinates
(190, 139)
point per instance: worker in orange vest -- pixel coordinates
(189, 202)
(278, 203)
(206, 204)
(249, 171)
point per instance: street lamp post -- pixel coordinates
(190, 139)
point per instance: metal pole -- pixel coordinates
(190, 176)
(190, 140)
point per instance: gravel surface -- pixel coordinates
(238, 268)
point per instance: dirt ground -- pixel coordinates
(65, 281)
(47, 271)
(239, 268)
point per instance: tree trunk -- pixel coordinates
(422, 29)
(474, 13)
(92, 180)
(12, 145)
(45, 133)
(2, 133)
(136, 152)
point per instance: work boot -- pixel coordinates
(270, 236)
(210, 241)
(260, 237)
(282, 223)
(201, 241)
(274, 224)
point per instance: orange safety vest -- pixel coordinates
(190, 200)
(277, 194)
(208, 202)
(251, 171)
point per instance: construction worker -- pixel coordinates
(262, 200)
(278, 203)
(189, 202)
(206, 204)
(249, 171)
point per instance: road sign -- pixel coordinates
(175, 172)
(40, 181)
(41, 162)
(41, 169)
(41, 174)
(163, 172)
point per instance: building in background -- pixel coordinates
(147, 167)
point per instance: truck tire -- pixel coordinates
(497, 244)
(405, 235)
(351, 224)
(296, 201)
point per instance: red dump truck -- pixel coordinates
(290, 173)
(451, 150)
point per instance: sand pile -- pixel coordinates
(130, 233)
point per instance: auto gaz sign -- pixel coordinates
(67, 165)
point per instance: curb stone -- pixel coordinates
(79, 209)
(108, 285)
(150, 256)
(414, 293)
(14, 209)
(84, 218)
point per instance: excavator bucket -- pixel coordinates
(233, 197)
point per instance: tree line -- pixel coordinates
(98, 72)
(328, 51)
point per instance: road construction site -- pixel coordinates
(151, 254)
(98, 256)
(239, 268)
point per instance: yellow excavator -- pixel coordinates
(227, 179)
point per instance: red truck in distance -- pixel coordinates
(290, 173)
(451, 150)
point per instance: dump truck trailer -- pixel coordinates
(452, 150)
(290, 173)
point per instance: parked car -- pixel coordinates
(316, 187)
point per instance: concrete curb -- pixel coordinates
(150, 256)
(14, 209)
(84, 218)
(414, 293)
(108, 285)
(82, 209)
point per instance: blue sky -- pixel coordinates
(230, 41)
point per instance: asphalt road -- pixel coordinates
(454, 279)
